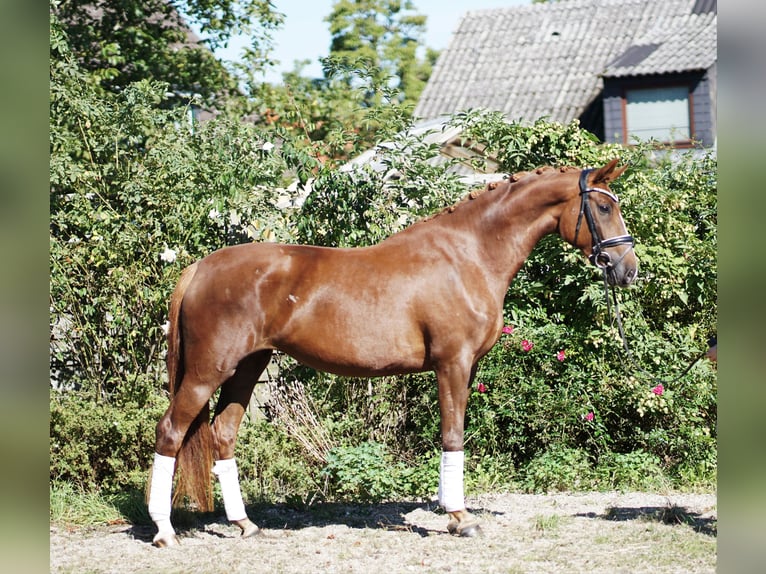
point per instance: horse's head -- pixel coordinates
(592, 221)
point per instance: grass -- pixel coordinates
(548, 523)
(72, 506)
(69, 505)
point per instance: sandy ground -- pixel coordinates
(591, 532)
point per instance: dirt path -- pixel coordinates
(592, 532)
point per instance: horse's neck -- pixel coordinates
(508, 224)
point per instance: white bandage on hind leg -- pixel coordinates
(451, 481)
(159, 492)
(226, 471)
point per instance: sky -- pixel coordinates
(305, 36)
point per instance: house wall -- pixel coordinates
(703, 97)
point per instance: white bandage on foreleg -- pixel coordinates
(160, 490)
(451, 481)
(226, 471)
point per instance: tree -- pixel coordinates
(124, 41)
(383, 37)
(372, 79)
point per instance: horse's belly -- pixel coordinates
(356, 346)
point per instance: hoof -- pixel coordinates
(463, 524)
(470, 531)
(165, 540)
(249, 529)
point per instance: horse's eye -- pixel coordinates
(604, 208)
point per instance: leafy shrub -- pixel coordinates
(272, 466)
(102, 445)
(364, 472)
(558, 469)
(368, 473)
(637, 470)
(137, 193)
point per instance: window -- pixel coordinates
(658, 113)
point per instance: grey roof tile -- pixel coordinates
(549, 59)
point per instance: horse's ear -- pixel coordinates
(608, 173)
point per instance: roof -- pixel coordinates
(452, 146)
(549, 60)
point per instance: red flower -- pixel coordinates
(527, 345)
(589, 417)
(481, 387)
(561, 355)
(658, 390)
(507, 330)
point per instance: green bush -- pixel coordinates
(368, 473)
(138, 192)
(558, 469)
(102, 446)
(637, 470)
(364, 472)
(272, 466)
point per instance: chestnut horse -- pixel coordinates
(429, 298)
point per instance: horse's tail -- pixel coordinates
(194, 462)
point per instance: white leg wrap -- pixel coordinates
(160, 491)
(226, 471)
(451, 481)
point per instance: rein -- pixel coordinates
(603, 261)
(618, 319)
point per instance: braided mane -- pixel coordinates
(511, 179)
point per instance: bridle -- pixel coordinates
(598, 256)
(603, 261)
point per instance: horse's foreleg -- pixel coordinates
(231, 407)
(454, 388)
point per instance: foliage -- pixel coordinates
(558, 469)
(105, 448)
(272, 465)
(368, 473)
(123, 41)
(636, 470)
(362, 206)
(559, 384)
(362, 472)
(518, 146)
(326, 120)
(382, 38)
(370, 84)
(138, 192)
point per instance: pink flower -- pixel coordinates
(507, 330)
(658, 390)
(527, 345)
(481, 387)
(561, 355)
(589, 417)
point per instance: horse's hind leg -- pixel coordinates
(187, 406)
(231, 407)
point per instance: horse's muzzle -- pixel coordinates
(622, 274)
